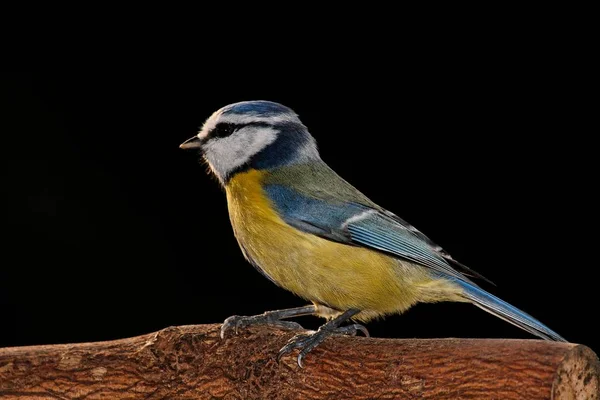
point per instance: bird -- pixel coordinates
(312, 233)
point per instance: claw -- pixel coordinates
(295, 342)
(282, 353)
(228, 323)
(307, 342)
(363, 330)
(300, 358)
(353, 329)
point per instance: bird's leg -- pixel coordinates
(308, 341)
(268, 318)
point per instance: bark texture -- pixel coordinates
(192, 362)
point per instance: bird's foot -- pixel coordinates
(236, 322)
(308, 341)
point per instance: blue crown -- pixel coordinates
(257, 107)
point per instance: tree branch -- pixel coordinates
(192, 362)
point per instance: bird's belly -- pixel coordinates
(333, 274)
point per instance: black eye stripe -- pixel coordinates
(224, 129)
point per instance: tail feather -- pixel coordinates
(507, 312)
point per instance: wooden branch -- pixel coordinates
(192, 362)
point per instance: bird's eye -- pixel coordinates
(223, 130)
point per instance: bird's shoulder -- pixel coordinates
(317, 181)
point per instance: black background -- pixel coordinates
(110, 230)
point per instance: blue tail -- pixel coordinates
(507, 312)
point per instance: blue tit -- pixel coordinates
(309, 231)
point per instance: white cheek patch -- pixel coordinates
(226, 154)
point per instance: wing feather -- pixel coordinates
(381, 233)
(358, 224)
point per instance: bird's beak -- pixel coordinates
(191, 143)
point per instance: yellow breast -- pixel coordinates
(319, 270)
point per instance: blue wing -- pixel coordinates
(358, 224)
(361, 225)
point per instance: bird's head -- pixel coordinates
(252, 134)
